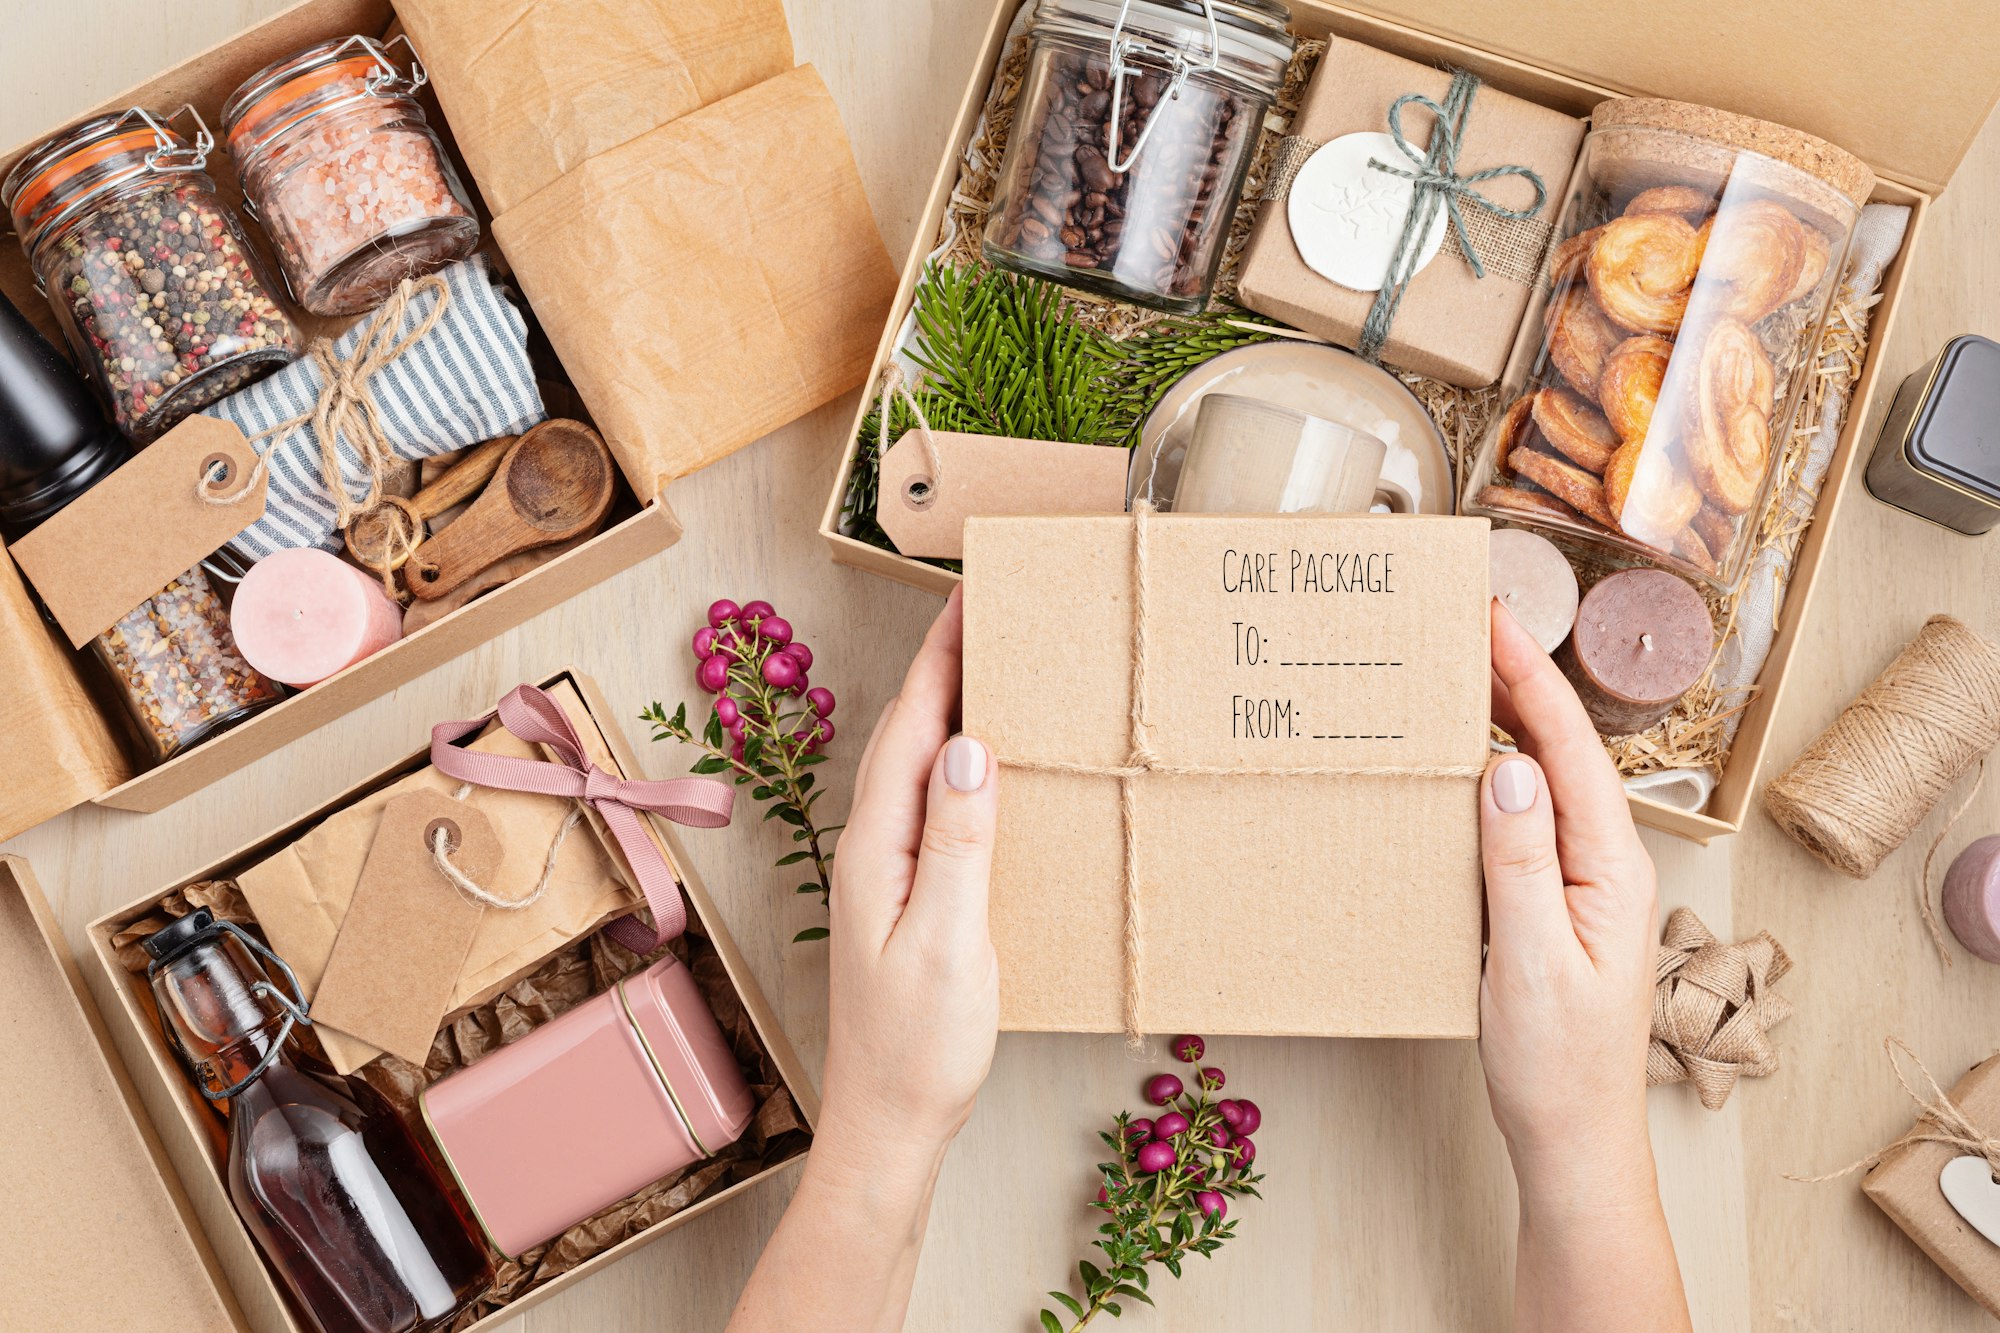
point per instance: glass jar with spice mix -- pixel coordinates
(1133, 128)
(346, 175)
(156, 288)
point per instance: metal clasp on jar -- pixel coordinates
(1173, 60)
(387, 80)
(166, 156)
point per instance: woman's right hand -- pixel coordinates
(1566, 1009)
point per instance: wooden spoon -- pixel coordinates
(381, 538)
(553, 484)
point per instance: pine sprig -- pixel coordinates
(1002, 353)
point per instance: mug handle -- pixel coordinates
(1398, 495)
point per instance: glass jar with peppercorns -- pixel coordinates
(1135, 123)
(156, 288)
(346, 175)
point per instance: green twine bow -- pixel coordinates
(1438, 184)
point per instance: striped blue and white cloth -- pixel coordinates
(468, 380)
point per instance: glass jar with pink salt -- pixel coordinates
(346, 175)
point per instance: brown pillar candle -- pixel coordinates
(1643, 638)
(1533, 580)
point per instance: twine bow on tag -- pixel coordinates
(1434, 173)
(345, 409)
(1712, 1007)
(1939, 1120)
(532, 716)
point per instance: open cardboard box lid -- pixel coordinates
(1906, 88)
(113, 1240)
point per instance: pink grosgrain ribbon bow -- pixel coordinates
(534, 717)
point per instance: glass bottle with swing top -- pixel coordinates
(346, 1208)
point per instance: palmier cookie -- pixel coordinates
(1685, 200)
(1754, 259)
(1729, 443)
(1629, 387)
(1715, 528)
(1641, 269)
(1579, 337)
(1566, 481)
(1648, 497)
(1535, 503)
(1690, 546)
(1566, 260)
(1512, 429)
(1819, 251)
(1575, 429)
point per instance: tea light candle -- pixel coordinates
(1534, 581)
(1643, 637)
(1972, 898)
(302, 615)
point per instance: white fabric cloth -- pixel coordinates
(1877, 239)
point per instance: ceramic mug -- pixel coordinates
(1249, 456)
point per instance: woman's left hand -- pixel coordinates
(914, 995)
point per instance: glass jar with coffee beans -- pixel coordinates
(156, 288)
(1132, 130)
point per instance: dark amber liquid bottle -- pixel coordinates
(345, 1206)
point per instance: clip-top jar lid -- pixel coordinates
(94, 155)
(332, 73)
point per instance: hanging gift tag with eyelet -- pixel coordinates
(143, 526)
(1968, 1186)
(923, 504)
(408, 929)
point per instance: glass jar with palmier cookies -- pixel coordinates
(1651, 401)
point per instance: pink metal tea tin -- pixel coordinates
(623, 1089)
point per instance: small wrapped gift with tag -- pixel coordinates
(1374, 136)
(1937, 1181)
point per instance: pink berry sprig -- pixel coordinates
(768, 727)
(1167, 1194)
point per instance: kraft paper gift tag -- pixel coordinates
(1305, 791)
(535, 88)
(395, 964)
(710, 280)
(301, 894)
(925, 498)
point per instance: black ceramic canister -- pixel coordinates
(1938, 455)
(55, 442)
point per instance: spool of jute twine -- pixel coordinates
(1860, 789)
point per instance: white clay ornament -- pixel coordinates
(1969, 1187)
(1347, 216)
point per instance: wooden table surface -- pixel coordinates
(1390, 1204)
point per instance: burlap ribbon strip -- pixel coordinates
(1144, 759)
(1713, 1005)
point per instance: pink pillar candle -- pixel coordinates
(300, 616)
(1972, 898)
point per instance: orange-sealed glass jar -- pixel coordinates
(346, 175)
(1650, 406)
(157, 290)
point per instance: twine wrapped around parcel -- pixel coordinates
(1144, 760)
(1713, 1005)
(1940, 1120)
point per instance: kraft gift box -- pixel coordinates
(1910, 109)
(678, 146)
(134, 1227)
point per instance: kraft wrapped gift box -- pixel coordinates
(1300, 775)
(1905, 1185)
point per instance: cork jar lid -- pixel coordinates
(1838, 168)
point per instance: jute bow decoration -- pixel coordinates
(1713, 1005)
(536, 718)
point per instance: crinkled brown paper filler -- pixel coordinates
(568, 978)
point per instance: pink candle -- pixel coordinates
(1972, 898)
(300, 616)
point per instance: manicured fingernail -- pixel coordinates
(964, 764)
(1514, 786)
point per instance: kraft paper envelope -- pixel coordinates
(300, 894)
(1345, 904)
